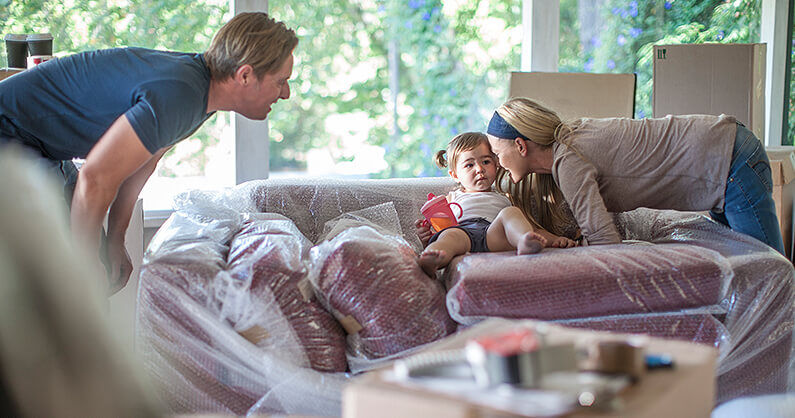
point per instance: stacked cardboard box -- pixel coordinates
(711, 79)
(577, 95)
(782, 165)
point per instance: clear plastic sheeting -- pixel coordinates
(266, 259)
(311, 203)
(698, 281)
(218, 339)
(197, 321)
(374, 286)
(226, 323)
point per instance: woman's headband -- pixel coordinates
(501, 129)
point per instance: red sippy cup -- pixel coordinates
(438, 212)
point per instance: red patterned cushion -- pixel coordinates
(269, 257)
(376, 280)
(586, 281)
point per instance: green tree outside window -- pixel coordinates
(83, 25)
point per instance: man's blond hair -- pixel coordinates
(251, 38)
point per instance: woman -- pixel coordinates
(690, 163)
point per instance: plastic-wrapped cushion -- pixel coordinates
(699, 328)
(756, 307)
(375, 279)
(585, 281)
(267, 255)
(180, 356)
(694, 279)
(191, 314)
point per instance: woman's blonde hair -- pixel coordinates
(250, 38)
(460, 143)
(542, 126)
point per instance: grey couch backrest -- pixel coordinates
(311, 202)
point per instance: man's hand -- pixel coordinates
(423, 231)
(120, 266)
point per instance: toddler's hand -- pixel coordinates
(423, 231)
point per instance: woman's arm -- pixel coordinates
(578, 181)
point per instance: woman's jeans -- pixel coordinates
(749, 206)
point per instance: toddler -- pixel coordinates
(489, 222)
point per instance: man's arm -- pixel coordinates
(117, 155)
(119, 219)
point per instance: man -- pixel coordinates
(122, 109)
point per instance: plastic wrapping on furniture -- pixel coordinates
(267, 255)
(694, 279)
(375, 279)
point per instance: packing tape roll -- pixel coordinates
(617, 357)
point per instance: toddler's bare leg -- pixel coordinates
(451, 242)
(512, 231)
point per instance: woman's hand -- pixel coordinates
(423, 231)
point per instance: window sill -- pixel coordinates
(156, 218)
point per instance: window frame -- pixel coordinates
(776, 32)
(541, 26)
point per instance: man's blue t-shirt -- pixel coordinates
(64, 106)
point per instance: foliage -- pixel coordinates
(83, 25)
(447, 72)
(343, 67)
(790, 140)
(629, 29)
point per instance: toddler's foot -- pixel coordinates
(430, 261)
(530, 243)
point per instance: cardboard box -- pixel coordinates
(5, 73)
(687, 390)
(576, 95)
(711, 79)
(782, 165)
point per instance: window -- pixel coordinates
(379, 86)
(203, 161)
(616, 36)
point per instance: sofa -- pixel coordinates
(250, 297)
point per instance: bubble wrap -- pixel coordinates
(680, 275)
(738, 297)
(374, 279)
(267, 254)
(195, 320)
(196, 303)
